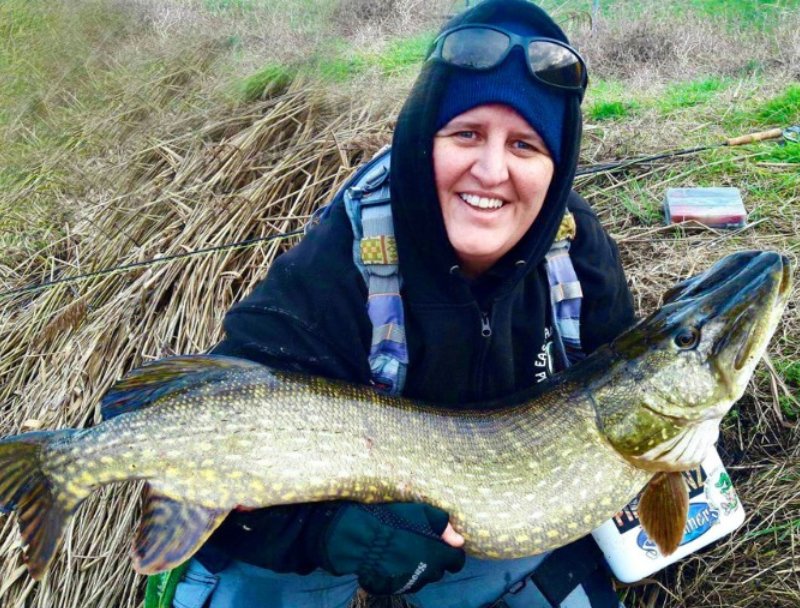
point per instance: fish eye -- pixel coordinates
(687, 338)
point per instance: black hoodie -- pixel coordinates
(309, 314)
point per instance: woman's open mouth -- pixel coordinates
(481, 202)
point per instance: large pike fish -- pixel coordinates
(518, 477)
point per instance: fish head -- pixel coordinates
(678, 372)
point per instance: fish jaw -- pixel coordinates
(683, 451)
(676, 374)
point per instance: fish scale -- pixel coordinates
(518, 477)
(341, 441)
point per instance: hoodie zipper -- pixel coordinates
(486, 334)
(486, 326)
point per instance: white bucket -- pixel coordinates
(714, 511)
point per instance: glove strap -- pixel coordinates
(393, 520)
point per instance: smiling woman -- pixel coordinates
(438, 273)
(492, 174)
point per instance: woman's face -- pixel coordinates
(492, 173)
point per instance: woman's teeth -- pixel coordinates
(482, 203)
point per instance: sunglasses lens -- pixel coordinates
(555, 64)
(474, 48)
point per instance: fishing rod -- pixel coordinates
(142, 264)
(789, 134)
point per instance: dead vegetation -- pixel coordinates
(256, 174)
(179, 173)
(637, 49)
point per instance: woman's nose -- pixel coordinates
(490, 168)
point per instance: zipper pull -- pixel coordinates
(486, 328)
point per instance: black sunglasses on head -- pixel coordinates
(481, 47)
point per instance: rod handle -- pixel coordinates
(754, 137)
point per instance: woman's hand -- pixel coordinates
(451, 537)
(392, 548)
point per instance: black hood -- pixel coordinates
(427, 260)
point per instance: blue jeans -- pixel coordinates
(240, 585)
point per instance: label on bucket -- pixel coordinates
(714, 511)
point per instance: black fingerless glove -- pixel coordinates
(392, 548)
(272, 538)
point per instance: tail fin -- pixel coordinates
(44, 505)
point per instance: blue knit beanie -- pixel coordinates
(509, 83)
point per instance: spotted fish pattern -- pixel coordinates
(531, 473)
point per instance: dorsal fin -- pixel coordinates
(142, 386)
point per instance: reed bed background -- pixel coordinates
(158, 132)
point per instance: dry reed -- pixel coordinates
(262, 173)
(63, 348)
(260, 170)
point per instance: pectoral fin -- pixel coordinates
(170, 532)
(663, 509)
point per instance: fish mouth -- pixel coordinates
(738, 302)
(678, 420)
(685, 451)
(755, 301)
(735, 268)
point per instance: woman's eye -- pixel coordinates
(524, 145)
(466, 134)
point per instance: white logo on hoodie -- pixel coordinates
(544, 360)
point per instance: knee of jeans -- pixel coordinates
(195, 587)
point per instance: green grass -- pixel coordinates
(609, 100)
(611, 110)
(337, 68)
(787, 529)
(757, 13)
(231, 5)
(641, 205)
(790, 370)
(50, 57)
(605, 89)
(338, 62)
(20, 24)
(47, 58)
(790, 408)
(75, 86)
(270, 79)
(402, 54)
(788, 153)
(782, 110)
(738, 14)
(689, 94)
(20, 19)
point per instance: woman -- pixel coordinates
(482, 165)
